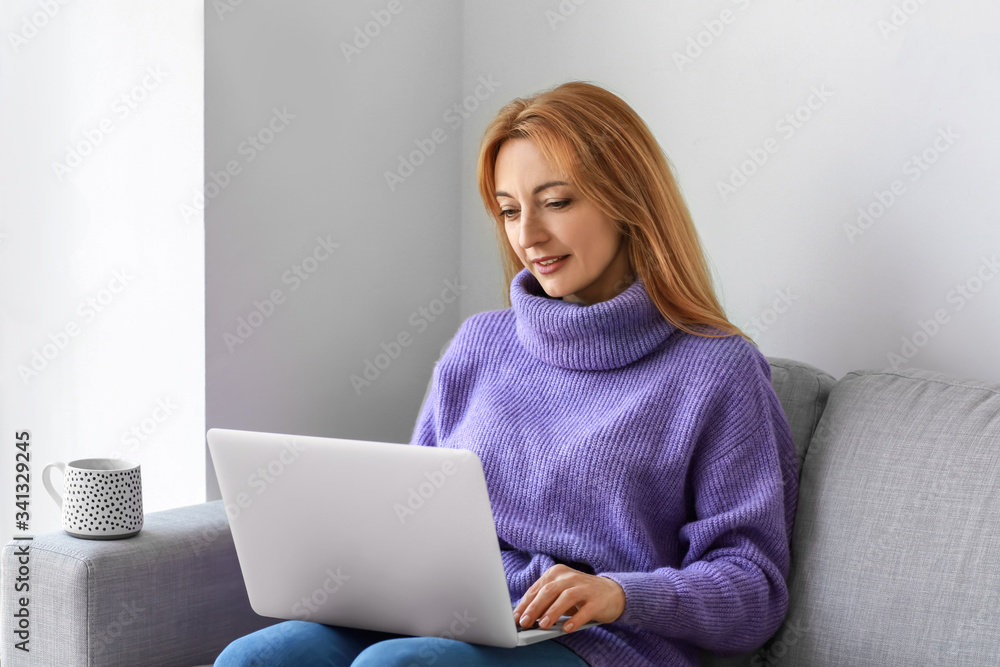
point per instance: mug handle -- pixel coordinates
(47, 481)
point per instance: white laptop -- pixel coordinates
(372, 535)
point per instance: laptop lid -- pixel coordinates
(371, 535)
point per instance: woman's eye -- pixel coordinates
(558, 204)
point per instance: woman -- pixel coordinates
(641, 470)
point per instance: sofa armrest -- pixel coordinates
(171, 595)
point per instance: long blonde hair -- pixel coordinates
(604, 147)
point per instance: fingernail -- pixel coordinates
(567, 627)
(544, 621)
(524, 620)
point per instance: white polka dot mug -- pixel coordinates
(103, 497)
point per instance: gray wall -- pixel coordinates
(322, 176)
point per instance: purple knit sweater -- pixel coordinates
(622, 446)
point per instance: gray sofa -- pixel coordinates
(895, 555)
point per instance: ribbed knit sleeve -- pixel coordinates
(729, 593)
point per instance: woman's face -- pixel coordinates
(546, 216)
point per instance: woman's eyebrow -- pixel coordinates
(501, 193)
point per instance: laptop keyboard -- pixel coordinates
(535, 626)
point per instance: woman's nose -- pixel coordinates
(531, 231)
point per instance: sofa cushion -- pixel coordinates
(896, 543)
(803, 391)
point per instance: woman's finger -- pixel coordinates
(529, 595)
(526, 599)
(550, 586)
(566, 603)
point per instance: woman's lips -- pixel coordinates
(552, 268)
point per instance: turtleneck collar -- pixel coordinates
(601, 336)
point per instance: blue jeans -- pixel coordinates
(306, 644)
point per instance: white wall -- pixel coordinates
(102, 307)
(781, 241)
(282, 346)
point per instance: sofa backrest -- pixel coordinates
(896, 547)
(803, 391)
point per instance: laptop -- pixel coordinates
(372, 535)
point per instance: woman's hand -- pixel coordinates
(561, 590)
